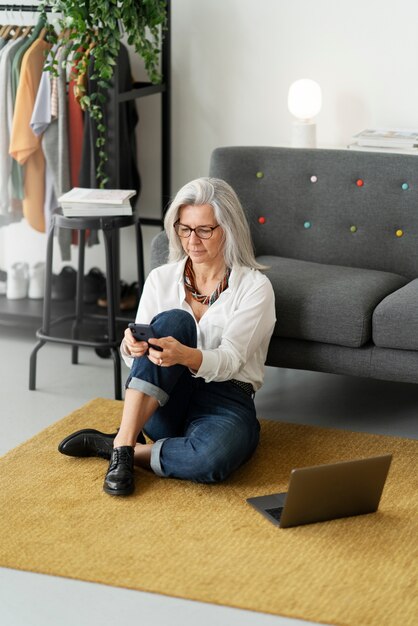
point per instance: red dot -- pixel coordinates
(262, 220)
(359, 182)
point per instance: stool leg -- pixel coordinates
(46, 315)
(79, 304)
(117, 374)
(139, 256)
(111, 312)
(32, 364)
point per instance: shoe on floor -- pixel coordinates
(129, 297)
(130, 300)
(90, 442)
(94, 286)
(119, 480)
(123, 289)
(64, 284)
(3, 282)
(17, 281)
(36, 281)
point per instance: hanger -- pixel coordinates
(26, 30)
(8, 30)
(43, 33)
(65, 34)
(38, 28)
(17, 32)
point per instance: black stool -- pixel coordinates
(110, 227)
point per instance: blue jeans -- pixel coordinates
(202, 431)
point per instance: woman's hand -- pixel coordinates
(134, 348)
(173, 353)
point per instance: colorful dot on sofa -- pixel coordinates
(353, 229)
(261, 220)
(314, 179)
(405, 186)
(399, 232)
(260, 175)
(359, 182)
(307, 225)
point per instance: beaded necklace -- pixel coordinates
(190, 284)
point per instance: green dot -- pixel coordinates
(260, 175)
(307, 225)
(353, 229)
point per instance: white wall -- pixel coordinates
(234, 60)
(232, 64)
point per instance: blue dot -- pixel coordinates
(405, 186)
(307, 225)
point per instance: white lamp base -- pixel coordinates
(303, 134)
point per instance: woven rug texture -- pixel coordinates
(204, 542)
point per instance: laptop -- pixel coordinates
(325, 492)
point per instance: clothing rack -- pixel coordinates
(28, 8)
(27, 311)
(139, 90)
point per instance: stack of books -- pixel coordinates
(386, 140)
(80, 202)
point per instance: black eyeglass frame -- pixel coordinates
(194, 230)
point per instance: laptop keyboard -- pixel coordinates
(276, 513)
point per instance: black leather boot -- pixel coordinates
(90, 442)
(119, 480)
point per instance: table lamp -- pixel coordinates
(304, 102)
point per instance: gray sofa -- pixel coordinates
(339, 232)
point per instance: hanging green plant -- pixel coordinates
(97, 26)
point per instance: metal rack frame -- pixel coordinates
(31, 310)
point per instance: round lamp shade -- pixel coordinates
(305, 99)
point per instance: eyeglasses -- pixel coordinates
(203, 232)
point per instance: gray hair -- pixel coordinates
(229, 214)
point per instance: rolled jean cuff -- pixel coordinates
(151, 390)
(155, 457)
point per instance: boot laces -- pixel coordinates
(121, 456)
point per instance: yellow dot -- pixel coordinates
(353, 229)
(260, 175)
(399, 232)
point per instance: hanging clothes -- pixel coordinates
(56, 138)
(17, 169)
(7, 55)
(25, 146)
(40, 120)
(45, 135)
(49, 120)
(56, 144)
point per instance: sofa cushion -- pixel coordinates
(327, 303)
(395, 319)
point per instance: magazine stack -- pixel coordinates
(81, 202)
(386, 140)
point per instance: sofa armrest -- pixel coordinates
(159, 250)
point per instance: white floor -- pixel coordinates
(305, 397)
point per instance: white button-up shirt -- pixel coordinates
(233, 334)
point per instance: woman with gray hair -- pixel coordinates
(191, 387)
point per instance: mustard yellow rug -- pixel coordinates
(204, 542)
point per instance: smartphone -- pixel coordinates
(143, 332)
